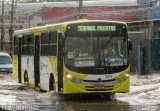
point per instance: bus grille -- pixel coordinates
(98, 81)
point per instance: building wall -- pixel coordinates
(149, 9)
(145, 36)
(61, 14)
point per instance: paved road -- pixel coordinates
(14, 96)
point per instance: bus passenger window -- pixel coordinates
(48, 43)
(53, 37)
(53, 43)
(28, 44)
(44, 44)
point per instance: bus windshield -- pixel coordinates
(91, 49)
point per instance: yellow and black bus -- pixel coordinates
(85, 56)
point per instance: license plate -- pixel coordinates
(99, 86)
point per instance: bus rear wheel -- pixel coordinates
(26, 80)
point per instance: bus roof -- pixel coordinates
(44, 28)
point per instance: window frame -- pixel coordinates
(48, 44)
(28, 46)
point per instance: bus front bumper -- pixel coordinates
(71, 87)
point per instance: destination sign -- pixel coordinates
(96, 28)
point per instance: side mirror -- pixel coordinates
(129, 45)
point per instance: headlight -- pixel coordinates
(70, 77)
(123, 78)
(127, 75)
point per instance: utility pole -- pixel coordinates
(80, 9)
(11, 24)
(2, 27)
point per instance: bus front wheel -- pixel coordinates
(52, 86)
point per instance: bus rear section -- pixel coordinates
(95, 58)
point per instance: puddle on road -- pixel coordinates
(15, 94)
(7, 99)
(12, 93)
(61, 103)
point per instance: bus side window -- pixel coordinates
(24, 49)
(52, 43)
(45, 44)
(48, 43)
(28, 44)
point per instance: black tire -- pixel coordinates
(51, 83)
(26, 80)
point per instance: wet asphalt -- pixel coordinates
(19, 97)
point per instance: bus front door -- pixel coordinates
(19, 60)
(60, 62)
(37, 61)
